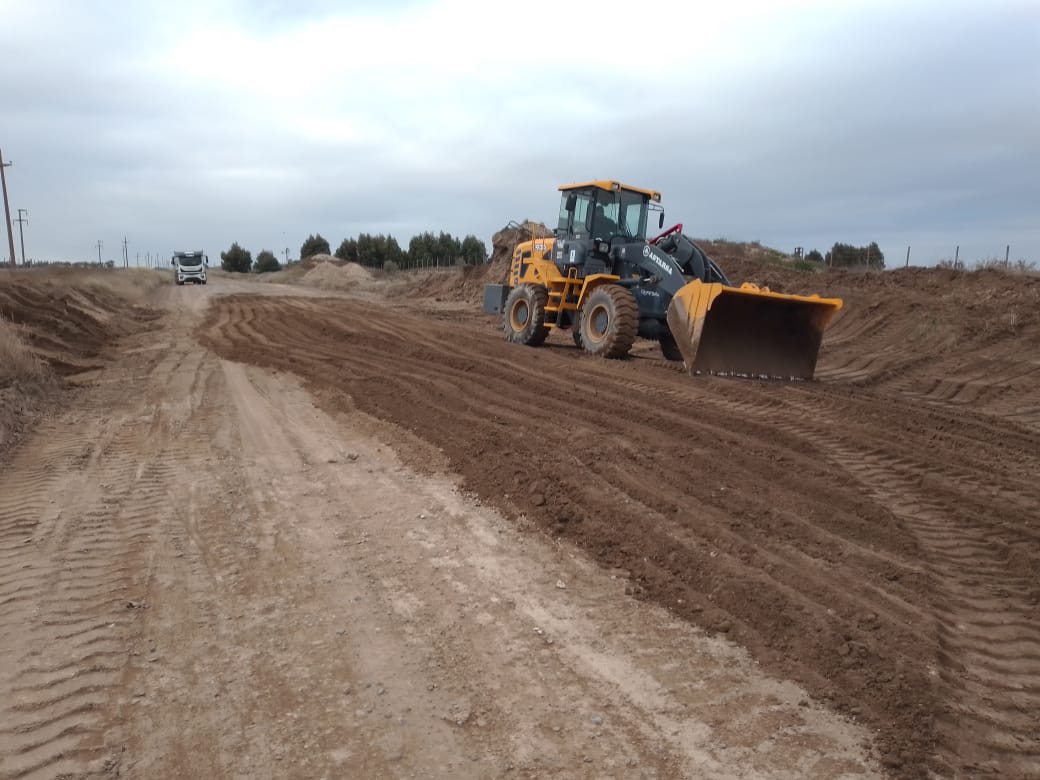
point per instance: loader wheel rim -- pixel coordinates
(519, 316)
(599, 321)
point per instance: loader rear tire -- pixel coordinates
(523, 317)
(609, 321)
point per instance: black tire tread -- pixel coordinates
(622, 332)
(538, 299)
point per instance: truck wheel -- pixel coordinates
(523, 318)
(609, 321)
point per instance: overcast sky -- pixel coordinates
(794, 122)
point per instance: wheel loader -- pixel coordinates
(601, 278)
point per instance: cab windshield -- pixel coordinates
(619, 213)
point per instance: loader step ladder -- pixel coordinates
(558, 295)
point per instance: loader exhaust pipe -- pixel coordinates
(749, 331)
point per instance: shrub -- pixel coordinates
(266, 262)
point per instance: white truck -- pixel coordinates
(190, 266)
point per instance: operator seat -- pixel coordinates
(603, 226)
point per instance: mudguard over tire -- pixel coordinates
(523, 316)
(609, 321)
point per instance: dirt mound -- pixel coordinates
(55, 324)
(308, 263)
(466, 284)
(333, 274)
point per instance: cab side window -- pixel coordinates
(581, 213)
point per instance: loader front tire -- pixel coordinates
(523, 318)
(669, 348)
(609, 321)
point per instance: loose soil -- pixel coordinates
(287, 535)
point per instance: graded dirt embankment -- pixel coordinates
(873, 535)
(57, 323)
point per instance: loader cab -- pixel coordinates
(604, 210)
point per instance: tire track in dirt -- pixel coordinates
(53, 692)
(985, 615)
(70, 576)
(987, 630)
(966, 341)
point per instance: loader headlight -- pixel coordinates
(602, 246)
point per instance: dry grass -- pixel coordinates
(130, 284)
(17, 361)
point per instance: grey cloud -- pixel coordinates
(905, 125)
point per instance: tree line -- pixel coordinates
(849, 256)
(372, 251)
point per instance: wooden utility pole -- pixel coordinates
(100, 244)
(907, 257)
(7, 209)
(21, 236)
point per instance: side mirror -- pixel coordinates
(660, 221)
(173, 262)
(572, 203)
(205, 260)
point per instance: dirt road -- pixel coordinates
(247, 556)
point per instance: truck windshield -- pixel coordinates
(620, 213)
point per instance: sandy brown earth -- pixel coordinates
(343, 537)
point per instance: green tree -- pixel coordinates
(315, 245)
(348, 250)
(848, 256)
(815, 256)
(448, 248)
(421, 249)
(474, 251)
(266, 262)
(236, 259)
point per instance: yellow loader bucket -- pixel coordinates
(749, 331)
